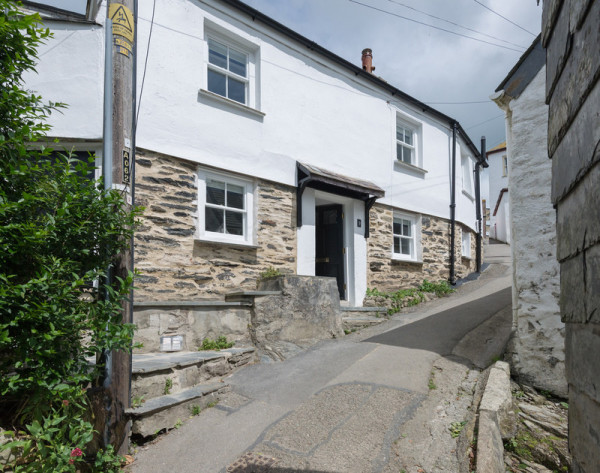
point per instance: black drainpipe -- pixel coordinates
(453, 206)
(480, 162)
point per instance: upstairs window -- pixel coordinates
(467, 174)
(227, 71)
(504, 166)
(466, 244)
(405, 144)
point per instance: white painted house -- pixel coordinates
(497, 180)
(257, 148)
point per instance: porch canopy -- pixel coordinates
(327, 181)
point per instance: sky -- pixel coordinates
(433, 66)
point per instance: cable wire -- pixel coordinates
(485, 121)
(458, 103)
(510, 21)
(137, 115)
(435, 27)
(455, 24)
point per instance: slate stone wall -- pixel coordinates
(175, 266)
(386, 274)
(571, 36)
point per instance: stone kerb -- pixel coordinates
(306, 311)
(497, 420)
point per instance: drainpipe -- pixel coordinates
(480, 162)
(453, 206)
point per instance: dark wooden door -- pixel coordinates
(330, 244)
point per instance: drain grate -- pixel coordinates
(252, 463)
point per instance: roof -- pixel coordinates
(495, 149)
(351, 186)
(524, 70)
(257, 16)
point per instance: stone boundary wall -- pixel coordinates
(571, 36)
(386, 274)
(173, 265)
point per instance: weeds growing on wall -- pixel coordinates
(59, 232)
(412, 296)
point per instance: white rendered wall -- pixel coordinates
(537, 347)
(307, 236)
(497, 182)
(315, 112)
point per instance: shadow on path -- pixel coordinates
(441, 332)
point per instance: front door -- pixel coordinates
(330, 244)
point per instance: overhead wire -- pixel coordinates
(137, 115)
(501, 16)
(457, 103)
(435, 27)
(455, 24)
(483, 122)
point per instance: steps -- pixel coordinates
(165, 387)
(354, 318)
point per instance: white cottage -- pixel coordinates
(258, 148)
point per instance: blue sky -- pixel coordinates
(431, 65)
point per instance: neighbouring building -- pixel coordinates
(536, 349)
(497, 179)
(257, 148)
(571, 36)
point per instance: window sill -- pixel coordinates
(398, 260)
(230, 103)
(236, 244)
(410, 167)
(468, 194)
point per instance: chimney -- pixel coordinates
(367, 60)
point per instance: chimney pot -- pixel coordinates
(367, 60)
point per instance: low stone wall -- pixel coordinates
(173, 265)
(195, 324)
(306, 311)
(386, 274)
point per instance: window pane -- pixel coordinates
(237, 63)
(235, 223)
(397, 227)
(406, 228)
(405, 246)
(217, 54)
(237, 90)
(215, 192)
(235, 196)
(400, 133)
(213, 220)
(217, 83)
(399, 152)
(407, 155)
(396, 245)
(408, 139)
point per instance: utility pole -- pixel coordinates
(118, 169)
(481, 162)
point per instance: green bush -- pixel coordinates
(220, 343)
(412, 296)
(59, 233)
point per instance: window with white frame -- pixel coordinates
(227, 73)
(466, 244)
(405, 143)
(467, 174)
(504, 166)
(225, 208)
(404, 237)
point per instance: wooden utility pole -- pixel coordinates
(119, 144)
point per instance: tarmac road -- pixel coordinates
(359, 404)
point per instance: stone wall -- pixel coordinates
(175, 266)
(536, 350)
(571, 36)
(386, 274)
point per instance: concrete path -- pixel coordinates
(379, 401)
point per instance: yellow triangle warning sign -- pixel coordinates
(122, 20)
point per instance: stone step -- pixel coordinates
(354, 323)
(157, 374)
(165, 412)
(348, 311)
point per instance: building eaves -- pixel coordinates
(523, 72)
(255, 15)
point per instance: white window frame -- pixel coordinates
(415, 238)
(504, 165)
(466, 166)
(416, 164)
(215, 32)
(227, 73)
(404, 145)
(248, 237)
(465, 248)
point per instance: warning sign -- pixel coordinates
(122, 46)
(122, 20)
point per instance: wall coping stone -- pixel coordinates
(189, 304)
(363, 309)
